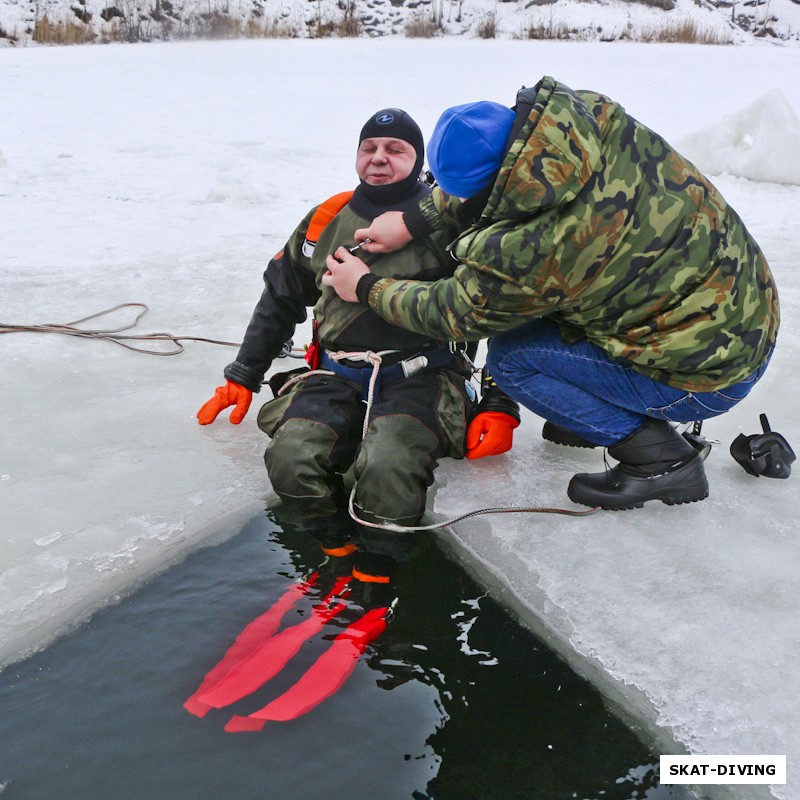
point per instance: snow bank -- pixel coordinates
(760, 141)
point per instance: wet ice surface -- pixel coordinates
(167, 174)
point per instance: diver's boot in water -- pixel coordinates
(655, 463)
(558, 435)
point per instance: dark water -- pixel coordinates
(454, 701)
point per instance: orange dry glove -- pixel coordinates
(228, 395)
(490, 433)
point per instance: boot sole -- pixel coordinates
(571, 444)
(566, 438)
(668, 501)
(683, 501)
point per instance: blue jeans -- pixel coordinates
(580, 387)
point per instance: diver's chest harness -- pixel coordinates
(373, 373)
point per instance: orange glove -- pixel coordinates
(490, 433)
(228, 395)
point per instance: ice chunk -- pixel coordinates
(759, 142)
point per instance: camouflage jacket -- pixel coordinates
(292, 283)
(596, 223)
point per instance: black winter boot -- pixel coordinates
(656, 463)
(558, 435)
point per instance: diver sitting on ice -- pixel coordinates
(409, 386)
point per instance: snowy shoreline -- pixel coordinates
(106, 21)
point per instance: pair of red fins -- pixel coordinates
(261, 651)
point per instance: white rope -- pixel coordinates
(376, 360)
(301, 377)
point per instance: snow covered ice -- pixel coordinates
(168, 174)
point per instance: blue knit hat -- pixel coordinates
(468, 145)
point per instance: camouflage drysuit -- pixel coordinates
(316, 427)
(597, 224)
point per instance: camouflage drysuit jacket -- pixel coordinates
(596, 223)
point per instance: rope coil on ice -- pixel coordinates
(113, 334)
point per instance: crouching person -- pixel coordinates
(620, 290)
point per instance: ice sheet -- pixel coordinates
(168, 174)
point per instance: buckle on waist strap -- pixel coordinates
(430, 359)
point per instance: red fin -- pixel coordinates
(270, 658)
(194, 706)
(328, 673)
(250, 639)
(239, 724)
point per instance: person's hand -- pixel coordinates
(344, 272)
(386, 234)
(490, 433)
(228, 395)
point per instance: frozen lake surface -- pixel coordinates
(168, 174)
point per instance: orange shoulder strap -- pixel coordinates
(325, 213)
